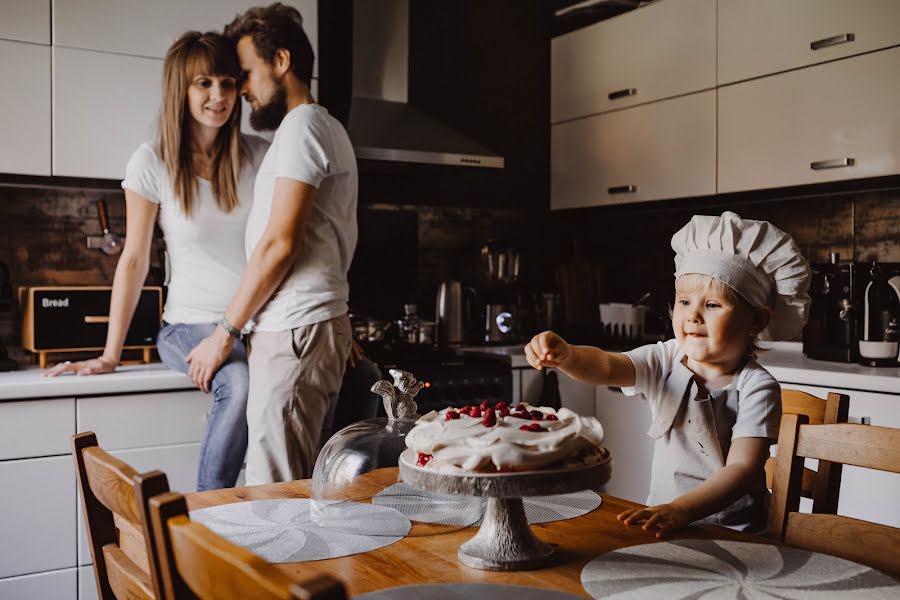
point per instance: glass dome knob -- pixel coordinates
(399, 397)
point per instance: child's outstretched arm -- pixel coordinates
(583, 363)
(746, 458)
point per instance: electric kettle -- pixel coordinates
(452, 311)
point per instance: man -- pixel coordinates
(300, 239)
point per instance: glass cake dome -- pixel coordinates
(358, 464)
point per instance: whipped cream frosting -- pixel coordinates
(467, 444)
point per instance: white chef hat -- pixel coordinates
(756, 259)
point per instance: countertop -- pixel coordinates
(785, 361)
(31, 384)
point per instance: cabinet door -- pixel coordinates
(663, 50)
(104, 107)
(36, 428)
(767, 36)
(26, 21)
(662, 150)
(25, 118)
(37, 519)
(87, 584)
(149, 28)
(574, 395)
(142, 420)
(55, 585)
(178, 462)
(866, 493)
(823, 123)
(625, 421)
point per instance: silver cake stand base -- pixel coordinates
(505, 541)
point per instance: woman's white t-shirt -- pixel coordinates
(206, 249)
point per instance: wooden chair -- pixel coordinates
(822, 486)
(860, 445)
(198, 564)
(114, 498)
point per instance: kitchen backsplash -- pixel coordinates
(621, 252)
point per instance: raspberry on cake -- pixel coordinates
(486, 439)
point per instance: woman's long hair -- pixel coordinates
(193, 54)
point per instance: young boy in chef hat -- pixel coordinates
(715, 409)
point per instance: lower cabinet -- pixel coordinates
(625, 421)
(574, 395)
(54, 585)
(87, 584)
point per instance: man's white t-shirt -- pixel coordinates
(310, 146)
(206, 252)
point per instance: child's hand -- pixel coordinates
(668, 518)
(547, 350)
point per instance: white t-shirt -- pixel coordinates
(310, 146)
(206, 251)
(693, 435)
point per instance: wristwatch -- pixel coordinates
(231, 329)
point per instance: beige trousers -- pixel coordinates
(295, 377)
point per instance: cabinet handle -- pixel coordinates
(622, 189)
(623, 93)
(89, 319)
(834, 40)
(835, 163)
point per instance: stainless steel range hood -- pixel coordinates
(382, 124)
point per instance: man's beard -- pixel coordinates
(269, 115)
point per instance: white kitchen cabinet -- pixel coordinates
(574, 395)
(55, 585)
(36, 428)
(178, 462)
(824, 123)
(149, 28)
(25, 20)
(145, 420)
(662, 150)
(761, 37)
(663, 50)
(87, 584)
(866, 493)
(625, 421)
(37, 516)
(25, 118)
(104, 107)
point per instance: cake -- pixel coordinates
(496, 438)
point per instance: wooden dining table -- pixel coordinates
(428, 554)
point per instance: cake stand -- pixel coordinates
(505, 541)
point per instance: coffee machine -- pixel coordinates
(501, 308)
(852, 312)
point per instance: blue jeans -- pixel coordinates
(225, 439)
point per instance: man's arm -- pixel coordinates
(267, 266)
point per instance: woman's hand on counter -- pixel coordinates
(94, 366)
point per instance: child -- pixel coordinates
(715, 409)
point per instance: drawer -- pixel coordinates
(662, 150)
(179, 463)
(772, 130)
(662, 50)
(54, 585)
(37, 516)
(36, 428)
(144, 419)
(761, 37)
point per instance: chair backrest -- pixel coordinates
(843, 443)
(116, 515)
(823, 485)
(199, 564)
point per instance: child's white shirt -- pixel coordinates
(693, 435)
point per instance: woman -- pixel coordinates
(198, 178)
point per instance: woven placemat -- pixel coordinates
(467, 591)
(466, 511)
(284, 530)
(689, 569)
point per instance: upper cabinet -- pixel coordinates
(147, 29)
(834, 121)
(760, 37)
(662, 50)
(25, 21)
(104, 106)
(25, 118)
